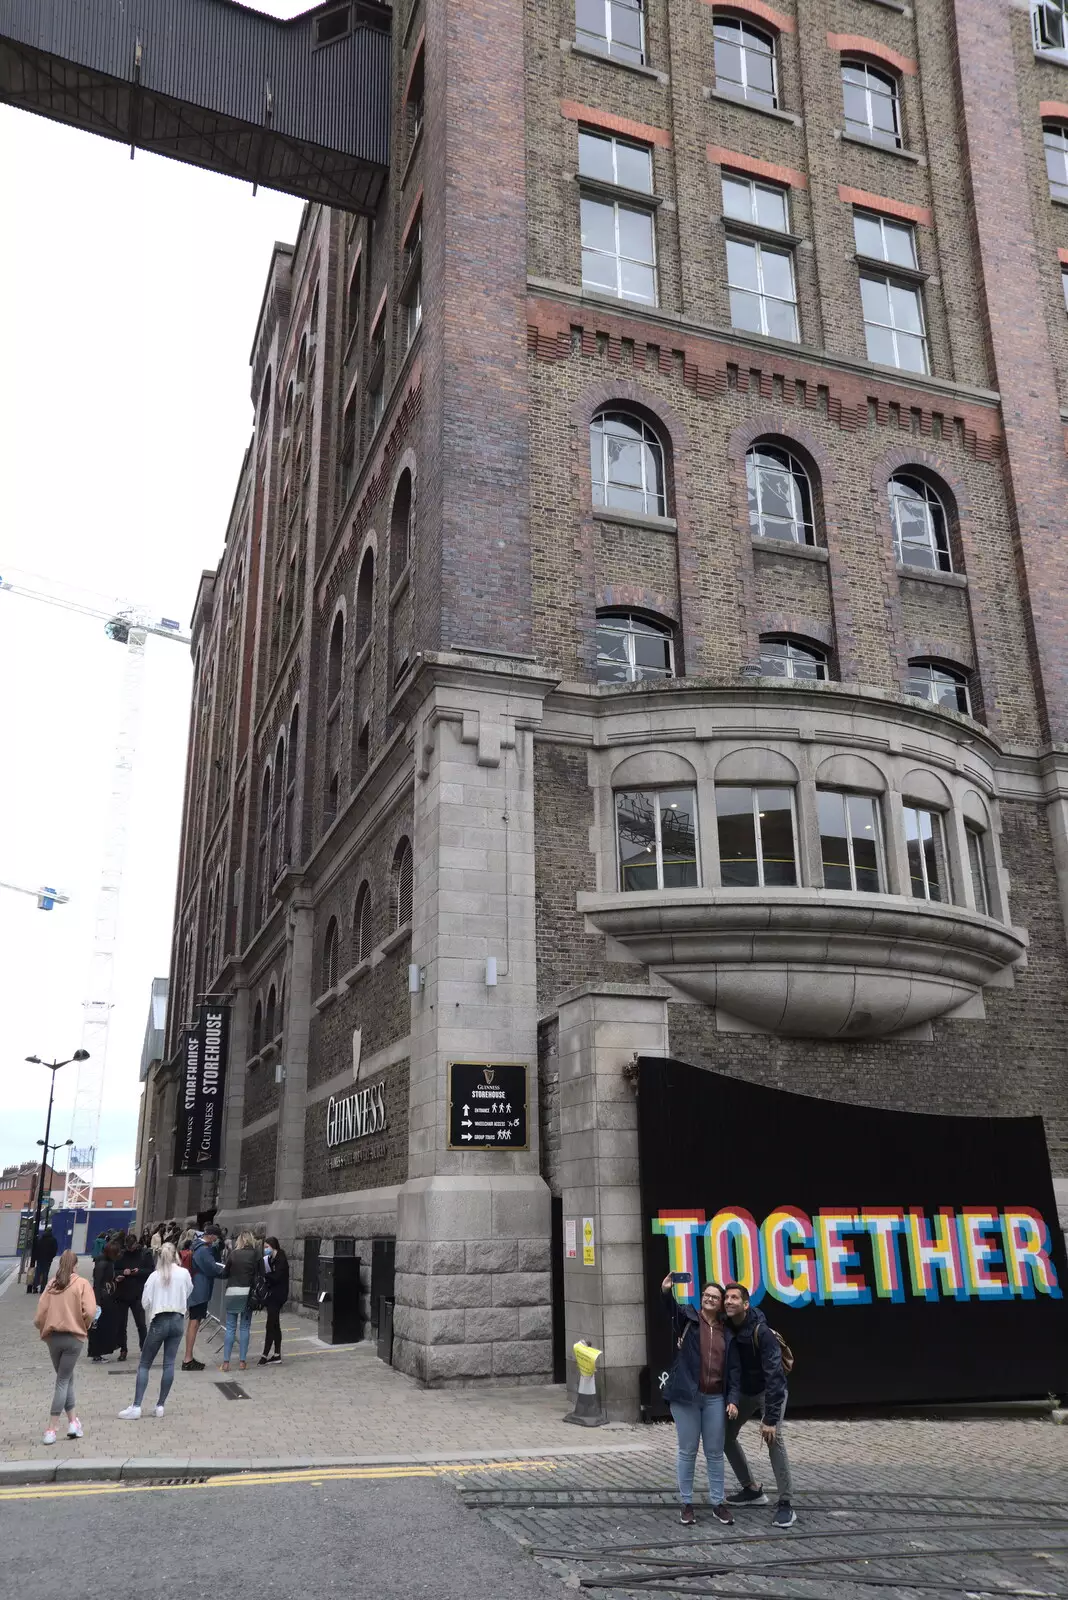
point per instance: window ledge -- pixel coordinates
(1055, 200)
(952, 580)
(754, 230)
(572, 47)
(397, 938)
(634, 519)
(751, 105)
(1056, 58)
(893, 5)
(887, 149)
(326, 1000)
(254, 1061)
(890, 269)
(788, 547)
(616, 191)
(354, 974)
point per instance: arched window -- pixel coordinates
(745, 61)
(302, 366)
(630, 648)
(780, 496)
(921, 534)
(287, 415)
(940, 684)
(872, 107)
(330, 956)
(786, 657)
(400, 528)
(1055, 139)
(257, 1028)
(278, 798)
(290, 853)
(269, 1020)
(402, 884)
(333, 670)
(262, 852)
(210, 930)
(365, 599)
(361, 925)
(265, 400)
(627, 464)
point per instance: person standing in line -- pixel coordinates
(756, 1387)
(243, 1266)
(694, 1391)
(155, 1244)
(164, 1299)
(45, 1247)
(132, 1268)
(206, 1267)
(276, 1272)
(106, 1332)
(64, 1317)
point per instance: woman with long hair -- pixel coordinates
(276, 1272)
(164, 1299)
(64, 1316)
(243, 1265)
(695, 1392)
(106, 1332)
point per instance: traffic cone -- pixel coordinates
(588, 1412)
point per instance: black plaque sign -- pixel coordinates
(487, 1105)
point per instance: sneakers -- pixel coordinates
(50, 1436)
(75, 1430)
(748, 1497)
(131, 1414)
(785, 1515)
(272, 1359)
(686, 1516)
(263, 1361)
(722, 1513)
(158, 1411)
(192, 1366)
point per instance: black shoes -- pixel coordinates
(192, 1366)
(748, 1497)
(785, 1515)
(686, 1517)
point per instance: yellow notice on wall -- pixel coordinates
(588, 1251)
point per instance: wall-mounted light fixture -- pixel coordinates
(491, 972)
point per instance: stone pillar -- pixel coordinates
(289, 1156)
(602, 1028)
(230, 1176)
(473, 1226)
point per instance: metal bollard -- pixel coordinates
(589, 1411)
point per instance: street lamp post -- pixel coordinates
(53, 1067)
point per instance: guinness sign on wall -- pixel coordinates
(355, 1116)
(198, 1124)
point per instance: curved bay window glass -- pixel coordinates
(615, 27)
(850, 844)
(757, 845)
(925, 844)
(629, 649)
(786, 658)
(1056, 143)
(745, 61)
(942, 686)
(656, 830)
(979, 867)
(870, 102)
(627, 464)
(921, 537)
(780, 498)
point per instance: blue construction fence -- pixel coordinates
(66, 1223)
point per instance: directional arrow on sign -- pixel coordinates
(465, 1136)
(467, 1111)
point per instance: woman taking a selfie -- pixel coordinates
(694, 1390)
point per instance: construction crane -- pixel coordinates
(46, 898)
(129, 626)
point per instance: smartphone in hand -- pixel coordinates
(681, 1277)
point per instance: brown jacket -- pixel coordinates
(69, 1310)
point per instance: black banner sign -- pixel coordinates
(487, 1105)
(198, 1124)
(904, 1257)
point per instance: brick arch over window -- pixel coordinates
(363, 610)
(633, 597)
(859, 46)
(778, 21)
(803, 630)
(401, 522)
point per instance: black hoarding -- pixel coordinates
(904, 1257)
(487, 1105)
(198, 1124)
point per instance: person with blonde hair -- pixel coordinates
(164, 1299)
(64, 1316)
(242, 1268)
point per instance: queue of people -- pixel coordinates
(729, 1367)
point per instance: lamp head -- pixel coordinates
(68, 1141)
(80, 1055)
(35, 1059)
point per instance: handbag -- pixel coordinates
(671, 1388)
(259, 1293)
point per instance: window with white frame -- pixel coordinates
(780, 496)
(979, 867)
(412, 291)
(614, 27)
(894, 326)
(765, 205)
(884, 239)
(1055, 139)
(618, 236)
(757, 837)
(871, 105)
(631, 649)
(1049, 20)
(745, 61)
(627, 464)
(789, 658)
(921, 535)
(925, 846)
(763, 296)
(850, 841)
(941, 685)
(656, 831)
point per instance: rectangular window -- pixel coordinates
(893, 323)
(761, 282)
(354, 298)
(616, 161)
(849, 841)
(378, 404)
(618, 250)
(657, 835)
(761, 203)
(414, 308)
(614, 27)
(925, 843)
(883, 240)
(1050, 24)
(979, 867)
(1064, 286)
(757, 847)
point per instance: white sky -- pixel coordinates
(129, 292)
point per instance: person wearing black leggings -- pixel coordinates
(276, 1271)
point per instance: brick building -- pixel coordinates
(645, 589)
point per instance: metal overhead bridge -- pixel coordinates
(302, 106)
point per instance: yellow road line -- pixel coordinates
(235, 1480)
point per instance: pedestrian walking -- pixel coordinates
(163, 1299)
(205, 1268)
(242, 1268)
(756, 1387)
(42, 1255)
(275, 1295)
(694, 1391)
(64, 1317)
(132, 1267)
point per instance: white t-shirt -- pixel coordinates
(173, 1296)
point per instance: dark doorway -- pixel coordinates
(557, 1283)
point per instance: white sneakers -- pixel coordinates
(158, 1411)
(75, 1430)
(50, 1436)
(131, 1414)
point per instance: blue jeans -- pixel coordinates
(704, 1422)
(239, 1324)
(165, 1329)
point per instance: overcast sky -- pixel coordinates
(129, 293)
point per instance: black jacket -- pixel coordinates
(754, 1365)
(277, 1283)
(44, 1250)
(139, 1263)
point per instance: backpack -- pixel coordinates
(784, 1349)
